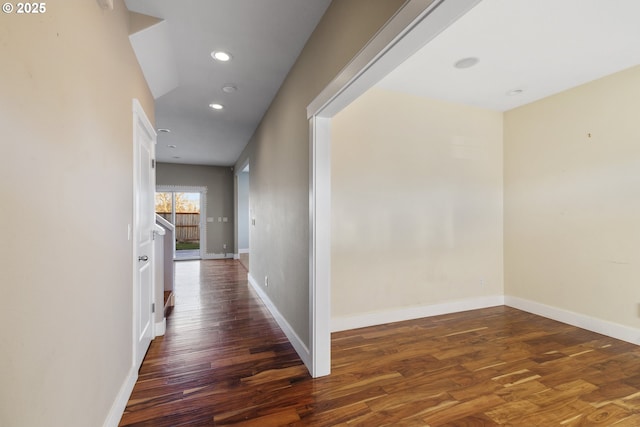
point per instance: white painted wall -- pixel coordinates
(66, 180)
(572, 200)
(416, 204)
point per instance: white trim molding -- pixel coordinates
(218, 256)
(182, 188)
(294, 339)
(243, 251)
(141, 126)
(414, 24)
(344, 323)
(320, 245)
(120, 403)
(161, 326)
(593, 324)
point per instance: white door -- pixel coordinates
(143, 222)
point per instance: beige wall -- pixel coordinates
(416, 203)
(572, 202)
(219, 183)
(67, 82)
(279, 156)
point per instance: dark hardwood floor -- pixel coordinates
(223, 361)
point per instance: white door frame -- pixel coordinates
(414, 25)
(139, 117)
(236, 193)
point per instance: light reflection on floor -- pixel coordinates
(187, 285)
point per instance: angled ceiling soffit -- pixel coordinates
(149, 37)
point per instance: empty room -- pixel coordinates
(410, 213)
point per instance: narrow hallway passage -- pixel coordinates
(220, 341)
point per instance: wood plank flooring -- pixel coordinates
(223, 361)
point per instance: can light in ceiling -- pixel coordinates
(515, 92)
(229, 88)
(172, 146)
(216, 106)
(466, 62)
(164, 130)
(221, 55)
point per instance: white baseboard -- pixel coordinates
(243, 251)
(120, 403)
(343, 323)
(160, 327)
(604, 327)
(294, 339)
(218, 256)
(236, 256)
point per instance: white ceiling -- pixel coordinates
(542, 47)
(265, 38)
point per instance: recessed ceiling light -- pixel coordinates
(216, 106)
(162, 130)
(171, 146)
(229, 88)
(514, 92)
(176, 157)
(466, 62)
(221, 56)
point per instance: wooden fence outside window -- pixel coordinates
(187, 225)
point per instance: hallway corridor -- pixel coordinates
(219, 343)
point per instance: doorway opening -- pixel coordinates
(243, 216)
(183, 209)
(144, 140)
(414, 25)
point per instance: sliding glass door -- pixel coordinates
(182, 209)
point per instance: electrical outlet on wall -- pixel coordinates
(266, 281)
(224, 246)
